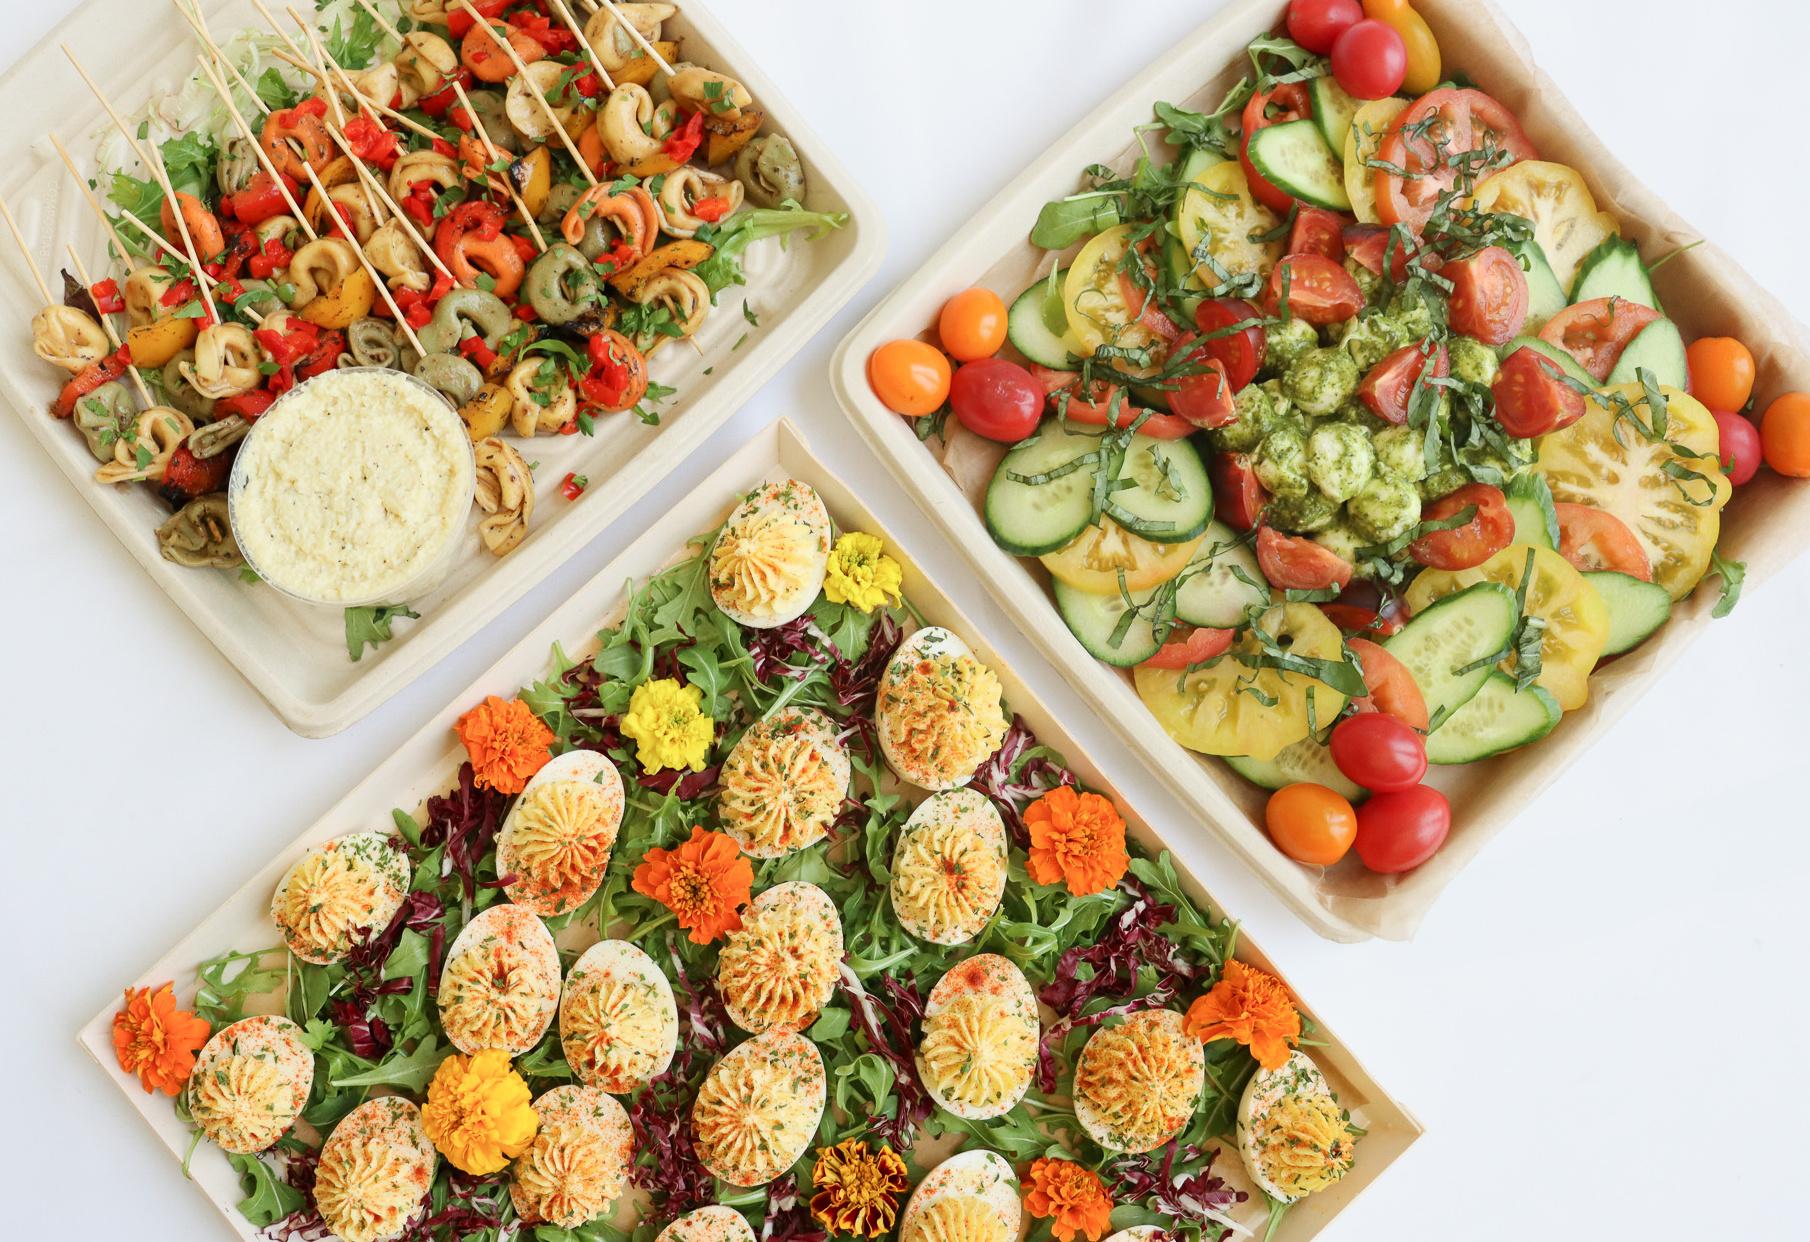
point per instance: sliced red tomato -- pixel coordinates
(1593, 539)
(1195, 647)
(1240, 349)
(1318, 231)
(1292, 563)
(1288, 102)
(1238, 498)
(1595, 332)
(1393, 690)
(1318, 290)
(1353, 619)
(1143, 300)
(1371, 247)
(1532, 397)
(1390, 383)
(1092, 408)
(1425, 142)
(1468, 546)
(1205, 398)
(1489, 296)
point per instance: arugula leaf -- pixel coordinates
(268, 1198)
(356, 47)
(1066, 221)
(275, 92)
(229, 981)
(368, 627)
(410, 1071)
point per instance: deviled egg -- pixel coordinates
(949, 867)
(374, 1170)
(938, 711)
(768, 562)
(338, 894)
(579, 1161)
(1292, 1134)
(970, 1197)
(980, 1038)
(783, 783)
(557, 838)
(250, 1082)
(779, 968)
(712, 1223)
(618, 1023)
(758, 1108)
(499, 987)
(1137, 1083)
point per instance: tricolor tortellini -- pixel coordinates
(614, 46)
(394, 253)
(198, 535)
(321, 267)
(685, 297)
(541, 397)
(146, 448)
(505, 492)
(632, 126)
(226, 363)
(68, 338)
(684, 189)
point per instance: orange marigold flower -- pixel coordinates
(1251, 1007)
(704, 882)
(506, 741)
(1072, 1198)
(157, 1041)
(1078, 838)
(856, 1191)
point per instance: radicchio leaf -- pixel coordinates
(888, 1026)
(1197, 1195)
(1014, 778)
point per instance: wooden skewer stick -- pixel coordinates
(396, 212)
(277, 28)
(188, 239)
(138, 381)
(638, 37)
(257, 147)
(534, 90)
(199, 26)
(384, 23)
(495, 155)
(363, 100)
(376, 276)
(119, 122)
(339, 111)
(100, 213)
(596, 61)
(31, 264)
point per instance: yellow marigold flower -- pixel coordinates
(479, 1112)
(860, 574)
(668, 726)
(856, 1191)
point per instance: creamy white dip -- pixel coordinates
(350, 488)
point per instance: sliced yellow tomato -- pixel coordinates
(1219, 207)
(1093, 560)
(1577, 620)
(1231, 708)
(1103, 306)
(1368, 128)
(1604, 460)
(1565, 219)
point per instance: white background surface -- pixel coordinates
(1602, 1025)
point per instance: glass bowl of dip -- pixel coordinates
(353, 489)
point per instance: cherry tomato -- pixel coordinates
(1241, 349)
(1370, 60)
(1379, 752)
(1467, 546)
(1092, 407)
(997, 399)
(1426, 142)
(1355, 619)
(1318, 231)
(1398, 831)
(1317, 24)
(1489, 296)
(1721, 372)
(1238, 498)
(1390, 383)
(1291, 563)
(1423, 48)
(1393, 690)
(1196, 647)
(1319, 290)
(1532, 397)
(1204, 398)
(1287, 102)
(909, 377)
(1740, 441)
(1310, 823)
(1595, 332)
(972, 325)
(1785, 435)
(1593, 539)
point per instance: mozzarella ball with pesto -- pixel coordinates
(1286, 342)
(1339, 459)
(1384, 509)
(1281, 462)
(1321, 380)
(1400, 454)
(1472, 361)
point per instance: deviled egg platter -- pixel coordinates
(768, 916)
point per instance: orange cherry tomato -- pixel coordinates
(1785, 435)
(972, 325)
(1393, 690)
(910, 377)
(1721, 372)
(1310, 823)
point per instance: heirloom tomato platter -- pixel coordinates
(1363, 443)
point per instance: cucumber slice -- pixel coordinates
(1217, 596)
(1536, 521)
(1658, 348)
(1565, 360)
(1171, 497)
(1307, 760)
(1295, 159)
(1037, 326)
(1497, 718)
(1196, 162)
(1093, 619)
(1029, 519)
(1636, 608)
(1447, 645)
(1614, 270)
(1545, 295)
(1334, 106)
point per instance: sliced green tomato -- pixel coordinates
(1555, 199)
(1230, 708)
(1094, 297)
(1368, 128)
(1217, 208)
(1295, 159)
(1307, 760)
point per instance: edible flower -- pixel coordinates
(479, 1112)
(704, 882)
(1072, 1198)
(860, 574)
(667, 723)
(157, 1041)
(856, 1191)
(1250, 1006)
(506, 741)
(1076, 838)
